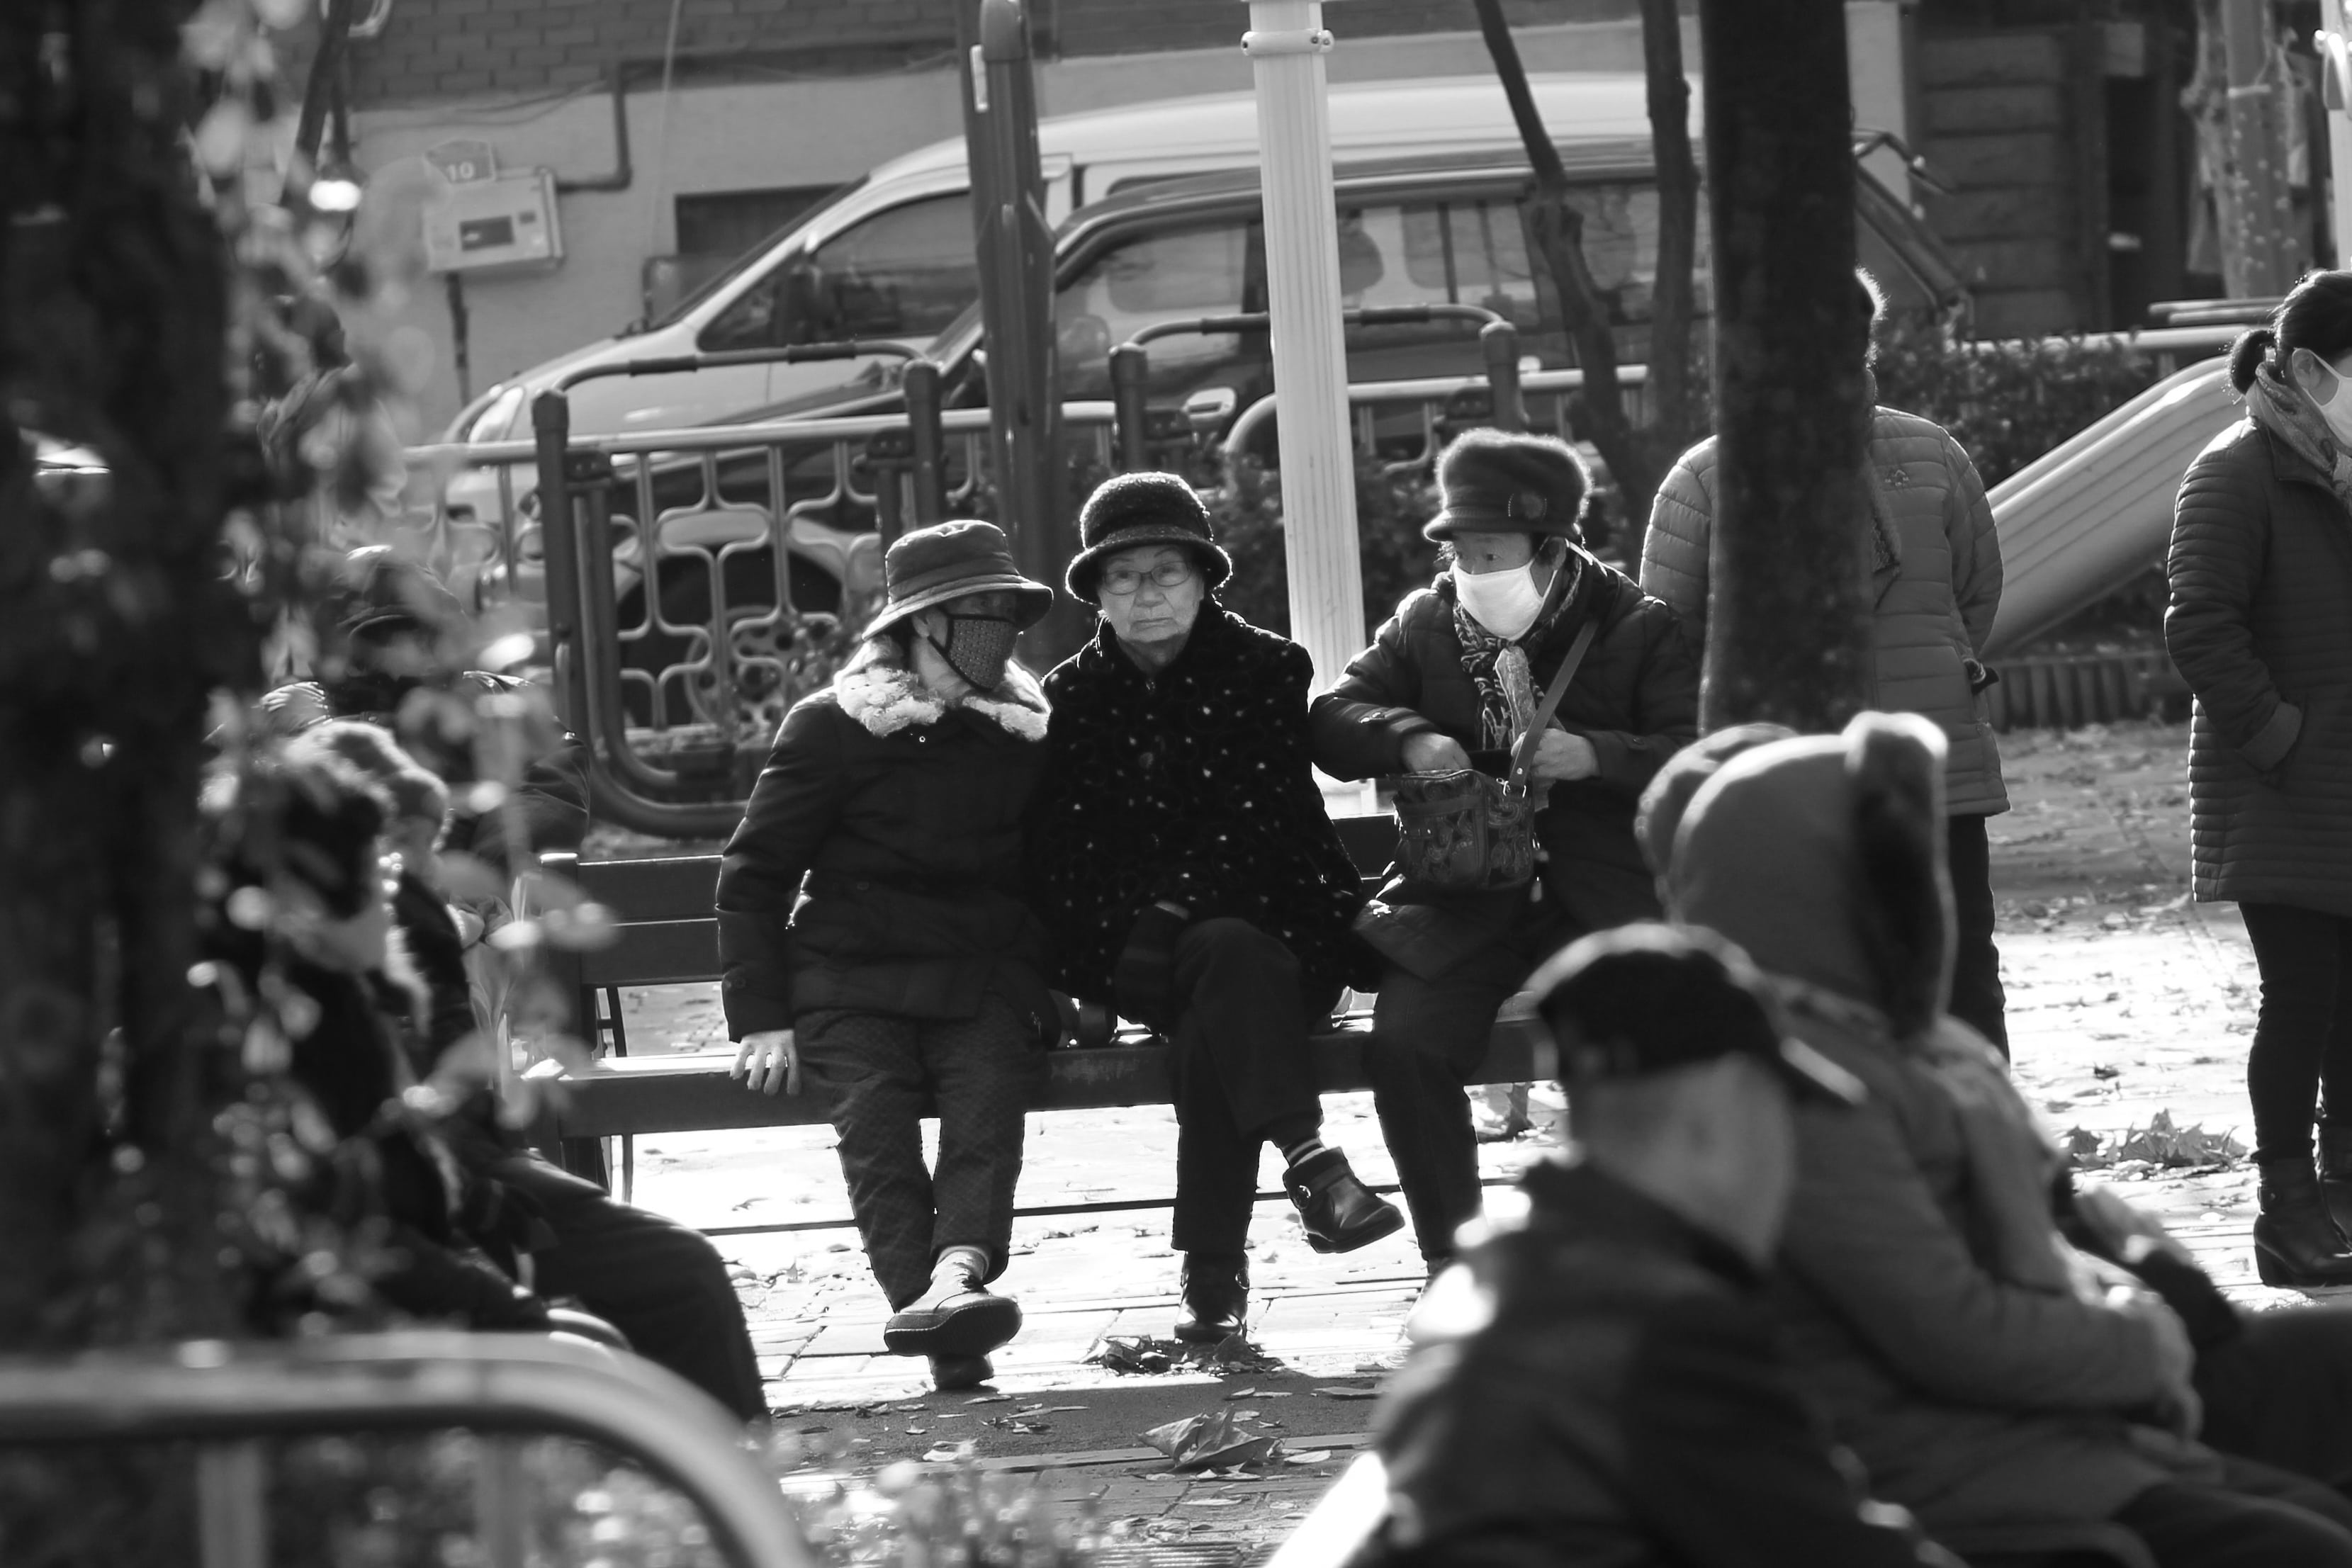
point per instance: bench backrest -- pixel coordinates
(667, 935)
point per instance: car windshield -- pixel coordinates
(734, 269)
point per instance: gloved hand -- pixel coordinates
(1144, 978)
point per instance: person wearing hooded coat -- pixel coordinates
(1182, 854)
(2259, 625)
(1452, 680)
(1987, 1377)
(874, 943)
(1935, 575)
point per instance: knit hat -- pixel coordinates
(1823, 857)
(1672, 786)
(416, 796)
(1651, 997)
(925, 569)
(1499, 481)
(1148, 509)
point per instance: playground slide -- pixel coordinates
(2079, 521)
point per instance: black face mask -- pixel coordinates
(370, 694)
(978, 648)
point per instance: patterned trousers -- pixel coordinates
(881, 1074)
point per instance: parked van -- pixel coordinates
(891, 256)
(1433, 228)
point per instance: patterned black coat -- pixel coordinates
(1192, 784)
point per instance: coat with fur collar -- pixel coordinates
(877, 867)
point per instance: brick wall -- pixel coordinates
(440, 49)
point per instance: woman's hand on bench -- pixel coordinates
(768, 1061)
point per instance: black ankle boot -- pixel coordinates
(1337, 1212)
(1215, 1296)
(2335, 1172)
(2296, 1239)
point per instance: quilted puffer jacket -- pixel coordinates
(877, 867)
(1935, 599)
(2260, 624)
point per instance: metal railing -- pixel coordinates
(230, 1402)
(703, 580)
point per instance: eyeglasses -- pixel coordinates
(1123, 581)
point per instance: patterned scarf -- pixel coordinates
(1507, 698)
(2280, 408)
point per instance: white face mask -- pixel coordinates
(1504, 602)
(2337, 409)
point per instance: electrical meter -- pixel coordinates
(504, 223)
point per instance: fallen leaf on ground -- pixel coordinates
(990, 1399)
(1240, 1393)
(1210, 1440)
(1350, 1393)
(1311, 1456)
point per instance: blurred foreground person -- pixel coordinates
(662, 1284)
(1182, 857)
(1935, 581)
(1990, 1379)
(873, 939)
(1596, 1384)
(2260, 624)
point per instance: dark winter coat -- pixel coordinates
(902, 814)
(2261, 625)
(1193, 785)
(1936, 587)
(1635, 698)
(1620, 1403)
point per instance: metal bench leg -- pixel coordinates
(617, 1028)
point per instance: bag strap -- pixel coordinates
(1523, 760)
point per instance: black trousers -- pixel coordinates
(2302, 1038)
(2260, 1518)
(663, 1285)
(1429, 1035)
(880, 1071)
(1977, 999)
(1243, 1015)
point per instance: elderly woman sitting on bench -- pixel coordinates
(873, 939)
(1182, 857)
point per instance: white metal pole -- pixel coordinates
(2336, 63)
(1285, 45)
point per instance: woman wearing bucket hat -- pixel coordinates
(1453, 680)
(1183, 856)
(873, 939)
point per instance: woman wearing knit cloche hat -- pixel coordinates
(1182, 854)
(1452, 680)
(874, 941)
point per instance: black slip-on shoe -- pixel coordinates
(1338, 1211)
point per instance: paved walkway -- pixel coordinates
(2129, 1007)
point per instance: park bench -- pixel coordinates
(667, 935)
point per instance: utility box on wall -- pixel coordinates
(506, 223)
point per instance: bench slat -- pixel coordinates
(655, 953)
(691, 1092)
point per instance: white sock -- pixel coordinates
(968, 1264)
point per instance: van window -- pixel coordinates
(905, 271)
(1211, 268)
(1474, 250)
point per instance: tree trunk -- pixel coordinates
(115, 626)
(1788, 635)
(1673, 419)
(1558, 231)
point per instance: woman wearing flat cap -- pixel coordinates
(874, 943)
(1182, 857)
(1453, 680)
